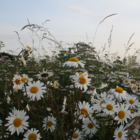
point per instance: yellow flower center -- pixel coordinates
(134, 87)
(132, 111)
(90, 125)
(17, 122)
(126, 81)
(120, 134)
(138, 84)
(75, 135)
(109, 107)
(119, 89)
(121, 114)
(74, 59)
(132, 81)
(138, 136)
(25, 80)
(29, 49)
(131, 101)
(132, 127)
(34, 89)
(32, 136)
(83, 111)
(80, 73)
(129, 85)
(136, 119)
(17, 81)
(49, 123)
(82, 80)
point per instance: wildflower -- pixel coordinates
(44, 74)
(109, 106)
(122, 114)
(132, 102)
(35, 90)
(81, 81)
(119, 93)
(25, 78)
(18, 84)
(8, 99)
(134, 88)
(32, 134)
(56, 84)
(83, 109)
(90, 127)
(73, 62)
(49, 123)
(76, 135)
(17, 121)
(120, 133)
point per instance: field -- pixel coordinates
(72, 95)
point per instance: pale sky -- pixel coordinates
(71, 20)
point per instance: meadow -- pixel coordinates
(72, 95)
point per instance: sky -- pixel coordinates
(72, 21)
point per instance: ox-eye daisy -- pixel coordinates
(132, 102)
(119, 93)
(90, 127)
(32, 134)
(120, 133)
(134, 88)
(83, 109)
(76, 135)
(122, 114)
(17, 121)
(25, 78)
(44, 74)
(73, 62)
(109, 106)
(18, 84)
(49, 123)
(35, 91)
(81, 80)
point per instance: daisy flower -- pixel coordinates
(17, 121)
(76, 135)
(49, 123)
(134, 88)
(126, 81)
(8, 99)
(120, 133)
(132, 102)
(55, 84)
(81, 81)
(119, 93)
(90, 127)
(25, 78)
(73, 62)
(18, 84)
(35, 90)
(109, 106)
(32, 134)
(122, 114)
(83, 109)
(132, 81)
(44, 74)
(23, 60)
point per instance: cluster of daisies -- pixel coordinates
(118, 108)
